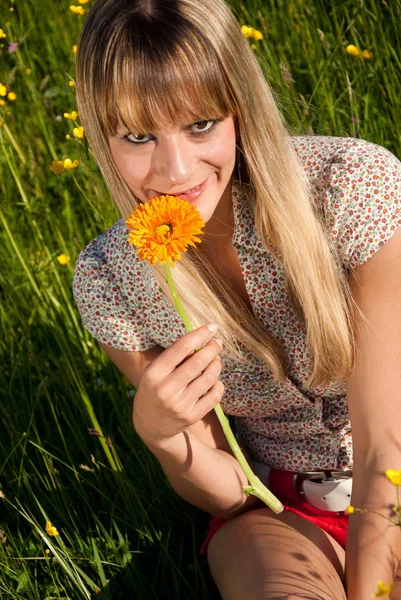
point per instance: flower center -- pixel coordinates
(163, 232)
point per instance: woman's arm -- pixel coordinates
(204, 474)
(198, 461)
(374, 398)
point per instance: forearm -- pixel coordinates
(208, 478)
(373, 543)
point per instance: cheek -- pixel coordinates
(132, 169)
(225, 149)
(221, 154)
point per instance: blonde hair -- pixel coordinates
(142, 62)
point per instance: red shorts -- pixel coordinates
(280, 484)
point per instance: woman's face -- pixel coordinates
(194, 162)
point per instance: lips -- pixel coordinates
(190, 194)
(194, 189)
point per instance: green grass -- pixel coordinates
(123, 532)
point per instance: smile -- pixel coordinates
(192, 193)
(184, 192)
(194, 189)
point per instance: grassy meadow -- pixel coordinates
(68, 452)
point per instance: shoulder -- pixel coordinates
(105, 248)
(325, 156)
(108, 268)
(109, 255)
(110, 282)
(97, 267)
(357, 186)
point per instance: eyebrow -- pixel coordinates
(120, 125)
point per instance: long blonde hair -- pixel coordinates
(142, 62)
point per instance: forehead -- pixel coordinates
(145, 73)
(147, 97)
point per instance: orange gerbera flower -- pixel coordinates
(163, 228)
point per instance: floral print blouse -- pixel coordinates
(285, 425)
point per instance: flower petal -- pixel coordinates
(163, 228)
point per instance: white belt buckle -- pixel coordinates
(333, 495)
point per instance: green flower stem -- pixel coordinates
(255, 487)
(176, 298)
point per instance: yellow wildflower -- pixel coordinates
(70, 164)
(83, 1)
(63, 259)
(247, 31)
(47, 551)
(2, 34)
(58, 166)
(163, 228)
(79, 132)
(2, 102)
(71, 83)
(28, 71)
(3, 90)
(250, 32)
(68, 137)
(349, 510)
(77, 10)
(353, 50)
(11, 9)
(50, 529)
(11, 96)
(383, 590)
(73, 116)
(366, 54)
(75, 48)
(394, 476)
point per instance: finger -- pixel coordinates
(204, 382)
(168, 360)
(205, 404)
(195, 365)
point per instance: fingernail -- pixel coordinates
(212, 327)
(218, 340)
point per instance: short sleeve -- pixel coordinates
(363, 200)
(106, 311)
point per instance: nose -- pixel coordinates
(173, 159)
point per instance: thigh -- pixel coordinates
(258, 555)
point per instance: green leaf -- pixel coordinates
(23, 582)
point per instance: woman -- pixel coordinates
(299, 267)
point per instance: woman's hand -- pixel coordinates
(179, 387)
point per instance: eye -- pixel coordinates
(138, 138)
(203, 126)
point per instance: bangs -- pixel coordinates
(174, 82)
